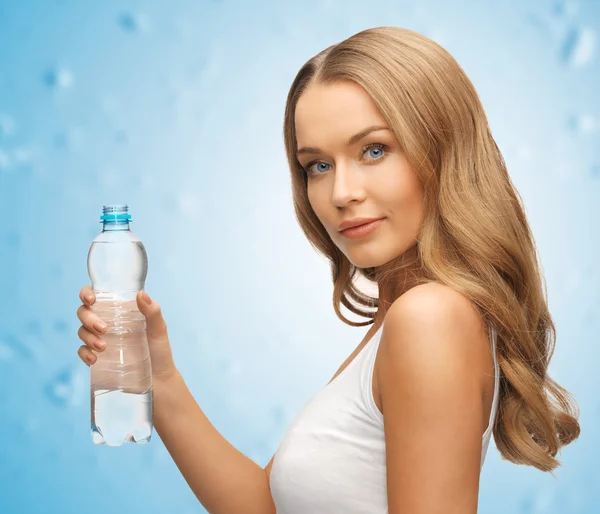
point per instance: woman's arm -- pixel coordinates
(223, 479)
(431, 381)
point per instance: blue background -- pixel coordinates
(176, 108)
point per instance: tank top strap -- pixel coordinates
(366, 376)
(495, 401)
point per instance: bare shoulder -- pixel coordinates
(433, 325)
(434, 308)
(431, 377)
(442, 298)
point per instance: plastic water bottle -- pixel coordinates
(121, 377)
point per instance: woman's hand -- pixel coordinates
(91, 332)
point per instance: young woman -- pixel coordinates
(396, 179)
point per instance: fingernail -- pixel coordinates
(100, 345)
(100, 326)
(89, 298)
(146, 298)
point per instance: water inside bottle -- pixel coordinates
(119, 417)
(121, 377)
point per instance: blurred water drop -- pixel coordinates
(134, 22)
(578, 48)
(565, 8)
(17, 345)
(60, 326)
(68, 387)
(58, 78)
(583, 124)
(13, 159)
(34, 327)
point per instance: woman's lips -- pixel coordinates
(362, 230)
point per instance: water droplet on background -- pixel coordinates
(34, 327)
(565, 8)
(60, 326)
(14, 159)
(68, 387)
(578, 48)
(58, 78)
(583, 123)
(134, 22)
(16, 346)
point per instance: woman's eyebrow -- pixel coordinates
(351, 141)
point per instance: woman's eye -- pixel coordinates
(377, 156)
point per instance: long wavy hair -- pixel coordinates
(475, 236)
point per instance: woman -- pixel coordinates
(461, 335)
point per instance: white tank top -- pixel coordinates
(332, 457)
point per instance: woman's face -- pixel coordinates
(362, 179)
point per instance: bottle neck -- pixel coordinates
(111, 226)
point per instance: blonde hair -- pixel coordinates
(474, 237)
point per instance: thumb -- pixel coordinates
(156, 327)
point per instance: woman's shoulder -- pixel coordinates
(432, 321)
(434, 300)
(433, 294)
